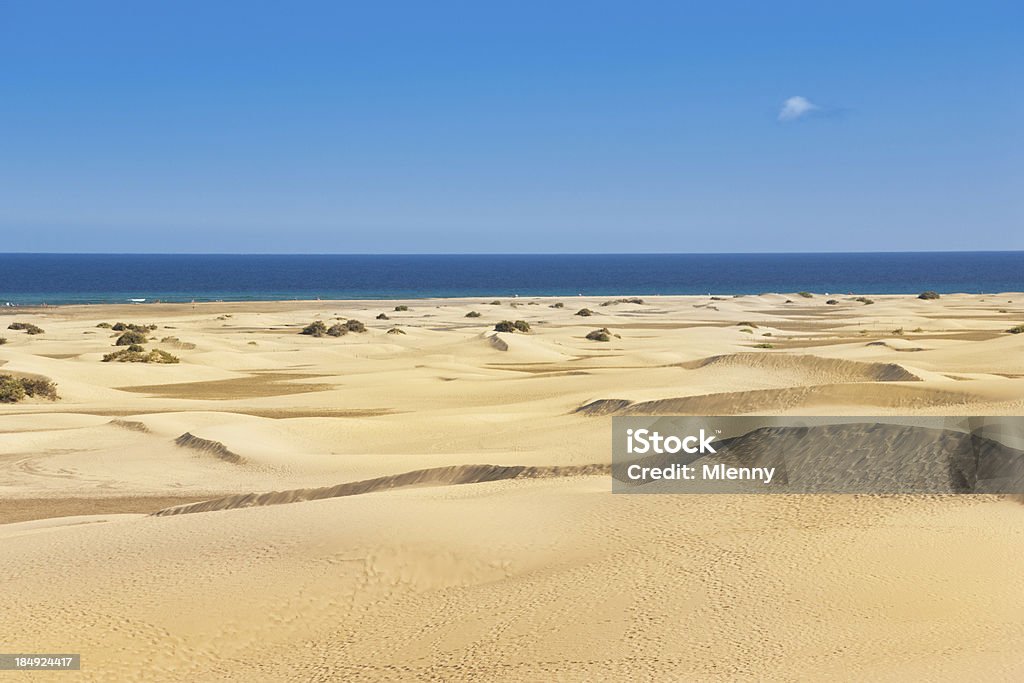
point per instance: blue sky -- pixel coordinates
(511, 127)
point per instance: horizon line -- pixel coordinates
(510, 253)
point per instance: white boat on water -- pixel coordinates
(136, 301)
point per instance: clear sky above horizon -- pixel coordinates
(511, 127)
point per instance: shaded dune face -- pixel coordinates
(819, 369)
(867, 458)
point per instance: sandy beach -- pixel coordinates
(437, 504)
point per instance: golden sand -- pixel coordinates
(436, 505)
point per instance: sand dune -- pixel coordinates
(437, 505)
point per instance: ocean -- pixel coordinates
(30, 279)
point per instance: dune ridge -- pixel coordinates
(436, 476)
(188, 440)
(824, 370)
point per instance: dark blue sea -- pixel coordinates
(27, 279)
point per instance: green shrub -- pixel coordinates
(401, 308)
(3, 340)
(122, 327)
(601, 335)
(919, 329)
(764, 345)
(130, 337)
(315, 329)
(632, 300)
(557, 304)
(928, 295)
(383, 316)
(495, 303)
(747, 330)
(105, 326)
(745, 324)
(898, 332)
(505, 326)
(13, 389)
(29, 328)
(139, 355)
(806, 295)
(864, 300)
(832, 302)
(395, 330)
(585, 312)
(1016, 330)
(472, 314)
(337, 330)
(355, 326)
(521, 326)
(39, 387)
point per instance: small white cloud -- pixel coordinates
(795, 107)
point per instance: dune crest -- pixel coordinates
(435, 476)
(216, 448)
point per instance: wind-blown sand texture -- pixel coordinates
(436, 505)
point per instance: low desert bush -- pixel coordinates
(585, 312)
(864, 300)
(28, 328)
(105, 326)
(13, 389)
(315, 329)
(383, 316)
(354, 326)
(632, 300)
(832, 302)
(3, 340)
(928, 295)
(401, 308)
(39, 387)
(122, 327)
(898, 332)
(764, 345)
(136, 354)
(745, 324)
(130, 337)
(601, 335)
(806, 295)
(509, 326)
(557, 304)
(495, 303)
(1016, 330)
(395, 330)
(337, 330)
(472, 314)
